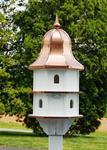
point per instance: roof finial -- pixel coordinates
(57, 24)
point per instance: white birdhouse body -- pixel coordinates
(56, 92)
(55, 105)
(64, 80)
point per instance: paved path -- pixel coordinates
(15, 130)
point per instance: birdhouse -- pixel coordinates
(56, 78)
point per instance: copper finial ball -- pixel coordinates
(56, 24)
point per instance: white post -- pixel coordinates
(55, 142)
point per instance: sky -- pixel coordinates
(18, 8)
(23, 0)
(1, 0)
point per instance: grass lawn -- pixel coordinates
(94, 141)
(12, 125)
(22, 140)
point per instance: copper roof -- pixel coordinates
(56, 51)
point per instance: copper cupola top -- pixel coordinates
(56, 51)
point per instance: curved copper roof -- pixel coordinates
(56, 51)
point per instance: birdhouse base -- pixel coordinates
(55, 128)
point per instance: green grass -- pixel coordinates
(23, 140)
(95, 141)
(12, 125)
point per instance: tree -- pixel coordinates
(12, 96)
(86, 23)
(5, 61)
(2, 109)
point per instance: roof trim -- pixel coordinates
(63, 92)
(31, 67)
(54, 117)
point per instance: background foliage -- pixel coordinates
(86, 23)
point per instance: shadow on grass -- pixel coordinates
(80, 136)
(15, 133)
